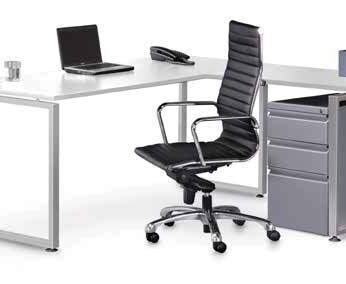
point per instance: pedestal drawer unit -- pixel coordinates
(307, 163)
(298, 156)
(304, 129)
(298, 203)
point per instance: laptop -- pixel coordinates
(80, 52)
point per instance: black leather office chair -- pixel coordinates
(238, 141)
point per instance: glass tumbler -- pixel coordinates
(13, 70)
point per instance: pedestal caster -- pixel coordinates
(334, 239)
(273, 235)
(239, 222)
(51, 249)
(152, 237)
(169, 224)
(219, 247)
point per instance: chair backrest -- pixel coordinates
(239, 86)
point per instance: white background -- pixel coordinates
(107, 192)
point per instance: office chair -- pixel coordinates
(238, 142)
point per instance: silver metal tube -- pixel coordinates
(54, 176)
(177, 104)
(214, 228)
(182, 114)
(24, 239)
(196, 215)
(53, 227)
(263, 140)
(335, 164)
(222, 118)
(198, 146)
(214, 118)
(169, 210)
(333, 106)
(220, 214)
(227, 208)
(162, 126)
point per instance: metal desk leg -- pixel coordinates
(52, 243)
(263, 153)
(182, 115)
(263, 140)
(262, 171)
(336, 166)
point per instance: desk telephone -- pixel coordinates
(169, 55)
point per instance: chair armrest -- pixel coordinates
(187, 103)
(215, 118)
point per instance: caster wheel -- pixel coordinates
(153, 237)
(51, 250)
(334, 239)
(220, 247)
(169, 224)
(239, 222)
(273, 235)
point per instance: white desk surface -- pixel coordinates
(58, 85)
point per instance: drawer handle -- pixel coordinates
(298, 149)
(299, 178)
(298, 119)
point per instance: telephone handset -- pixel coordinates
(169, 55)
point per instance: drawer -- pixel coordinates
(298, 158)
(298, 203)
(298, 129)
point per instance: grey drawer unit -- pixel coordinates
(307, 163)
(281, 126)
(298, 203)
(308, 105)
(299, 157)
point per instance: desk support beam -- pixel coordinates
(337, 165)
(52, 243)
(182, 115)
(263, 139)
(261, 189)
(263, 152)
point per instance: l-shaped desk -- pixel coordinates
(44, 90)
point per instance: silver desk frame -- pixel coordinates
(52, 243)
(214, 69)
(262, 152)
(336, 164)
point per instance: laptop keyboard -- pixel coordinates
(97, 66)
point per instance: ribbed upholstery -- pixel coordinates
(165, 155)
(238, 140)
(237, 92)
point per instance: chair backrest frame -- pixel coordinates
(239, 87)
(252, 133)
(244, 69)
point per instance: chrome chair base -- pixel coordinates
(209, 218)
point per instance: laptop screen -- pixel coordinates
(79, 45)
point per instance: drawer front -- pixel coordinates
(298, 203)
(297, 129)
(299, 159)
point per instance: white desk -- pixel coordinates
(44, 90)
(58, 85)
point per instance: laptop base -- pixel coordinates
(121, 68)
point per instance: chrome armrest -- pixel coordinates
(187, 103)
(215, 118)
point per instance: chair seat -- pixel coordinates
(166, 155)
